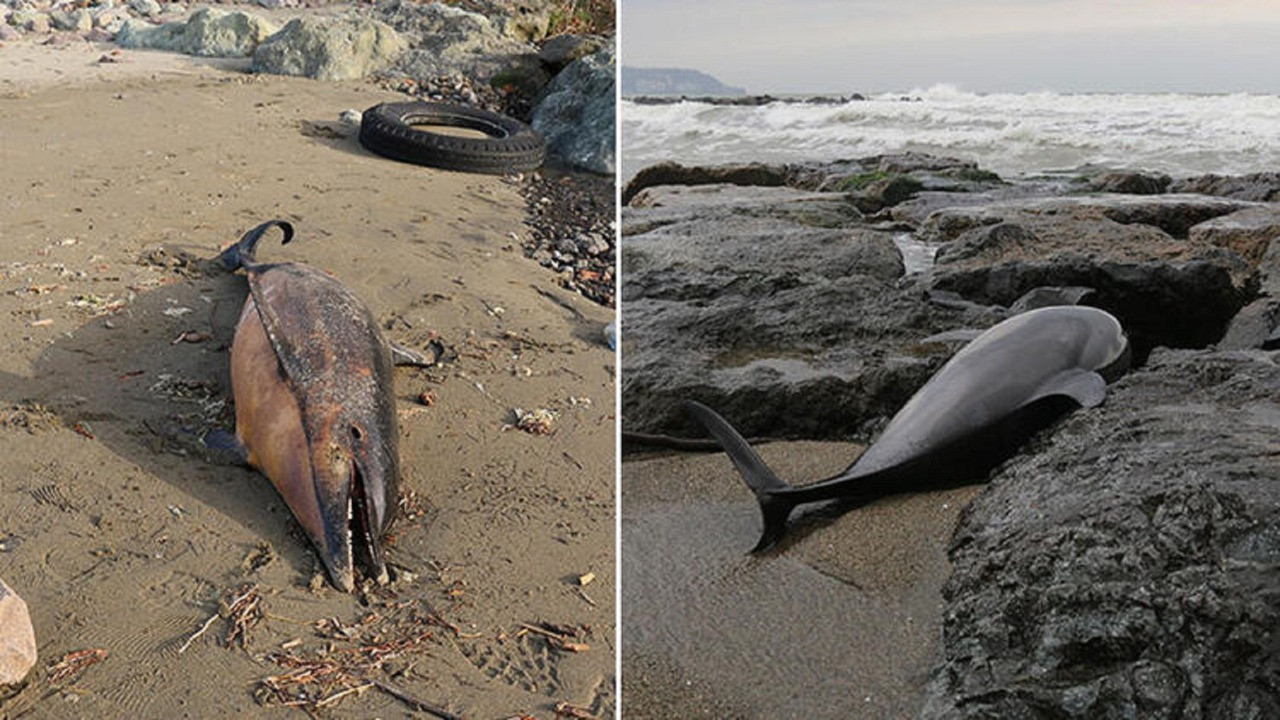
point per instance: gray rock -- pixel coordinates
(17, 638)
(110, 20)
(9, 33)
(31, 21)
(1165, 290)
(672, 173)
(1131, 183)
(887, 192)
(576, 113)
(145, 8)
(329, 48)
(1257, 187)
(1254, 327)
(912, 162)
(449, 40)
(209, 32)
(1173, 214)
(1247, 232)
(559, 51)
(800, 207)
(988, 243)
(527, 21)
(74, 21)
(1123, 566)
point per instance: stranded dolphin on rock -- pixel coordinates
(1009, 382)
(312, 380)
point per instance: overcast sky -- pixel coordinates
(843, 46)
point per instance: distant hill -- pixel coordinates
(673, 81)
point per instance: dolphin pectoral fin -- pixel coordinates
(1084, 386)
(769, 489)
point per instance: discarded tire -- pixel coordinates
(510, 145)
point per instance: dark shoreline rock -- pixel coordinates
(1124, 567)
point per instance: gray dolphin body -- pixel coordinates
(1009, 382)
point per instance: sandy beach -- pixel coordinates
(711, 631)
(118, 180)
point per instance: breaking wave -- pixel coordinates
(1014, 134)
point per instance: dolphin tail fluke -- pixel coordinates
(770, 490)
(242, 253)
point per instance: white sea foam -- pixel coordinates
(1012, 134)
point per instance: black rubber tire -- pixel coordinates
(511, 146)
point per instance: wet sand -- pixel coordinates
(844, 620)
(121, 536)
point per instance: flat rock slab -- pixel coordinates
(1259, 187)
(1123, 566)
(1174, 214)
(17, 638)
(1246, 232)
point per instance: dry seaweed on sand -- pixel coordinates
(75, 662)
(567, 710)
(562, 637)
(242, 609)
(318, 678)
(243, 612)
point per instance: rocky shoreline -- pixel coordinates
(745, 100)
(1119, 566)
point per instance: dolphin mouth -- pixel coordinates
(366, 549)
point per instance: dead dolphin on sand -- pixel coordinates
(312, 380)
(1009, 382)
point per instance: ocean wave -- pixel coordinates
(1012, 134)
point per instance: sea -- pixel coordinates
(1016, 135)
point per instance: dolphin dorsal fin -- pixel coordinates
(1084, 386)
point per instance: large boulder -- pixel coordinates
(17, 638)
(1124, 566)
(329, 48)
(576, 113)
(1166, 288)
(209, 32)
(447, 40)
(1130, 183)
